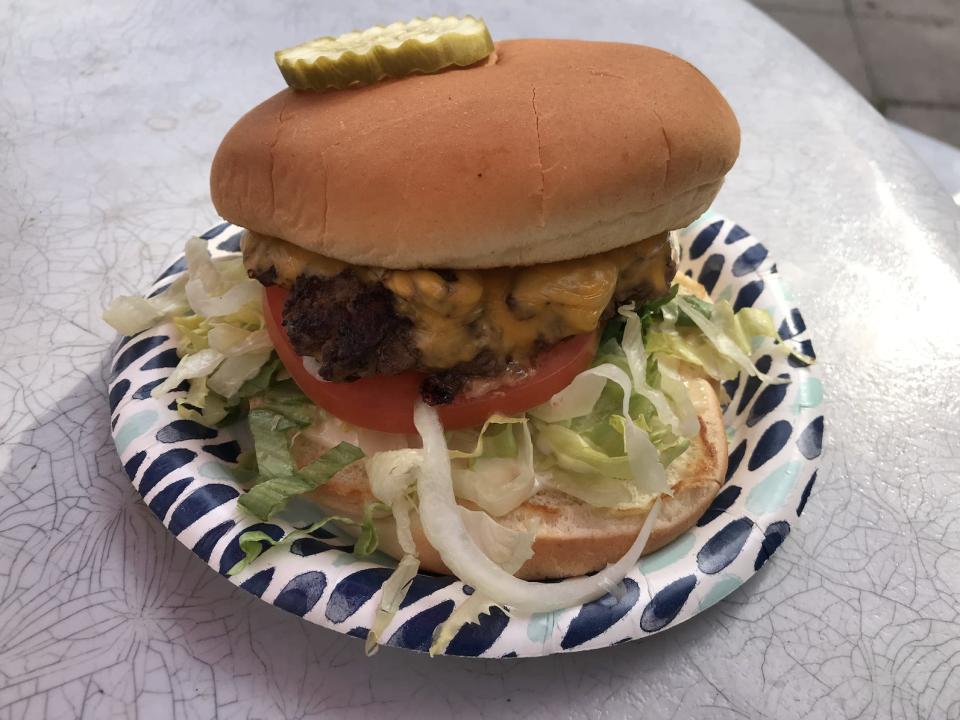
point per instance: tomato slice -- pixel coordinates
(385, 402)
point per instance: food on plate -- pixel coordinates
(473, 351)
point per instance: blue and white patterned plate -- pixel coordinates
(183, 472)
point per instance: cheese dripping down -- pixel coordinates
(511, 312)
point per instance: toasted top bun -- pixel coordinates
(553, 150)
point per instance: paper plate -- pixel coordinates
(183, 472)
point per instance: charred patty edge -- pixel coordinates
(353, 329)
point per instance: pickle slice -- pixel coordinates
(399, 49)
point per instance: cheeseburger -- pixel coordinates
(485, 250)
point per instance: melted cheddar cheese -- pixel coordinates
(509, 311)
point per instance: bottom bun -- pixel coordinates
(573, 538)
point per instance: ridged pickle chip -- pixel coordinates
(402, 48)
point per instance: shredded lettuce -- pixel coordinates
(468, 611)
(281, 412)
(235, 370)
(131, 314)
(683, 420)
(720, 342)
(253, 542)
(391, 473)
(222, 344)
(367, 540)
(272, 492)
(598, 490)
(573, 451)
(510, 549)
(498, 474)
(200, 364)
(496, 485)
(675, 389)
(495, 439)
(639, 462)
(498, 440)
(217, 289)
(202, 406)
(392, 593)
(292, 407)
(268, 373)
(392, 476)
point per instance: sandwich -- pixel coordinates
(463, 238)
(469, 281)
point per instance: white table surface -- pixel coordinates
(109, 116)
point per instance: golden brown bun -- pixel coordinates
(574, 538)
(559, 149)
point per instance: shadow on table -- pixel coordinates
(119, 610)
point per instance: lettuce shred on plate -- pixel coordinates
(605, 439)
(225, 352)
(277, 415)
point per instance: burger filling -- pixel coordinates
(456, 326)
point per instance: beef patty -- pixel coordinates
(348, 326)
(452, 325)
